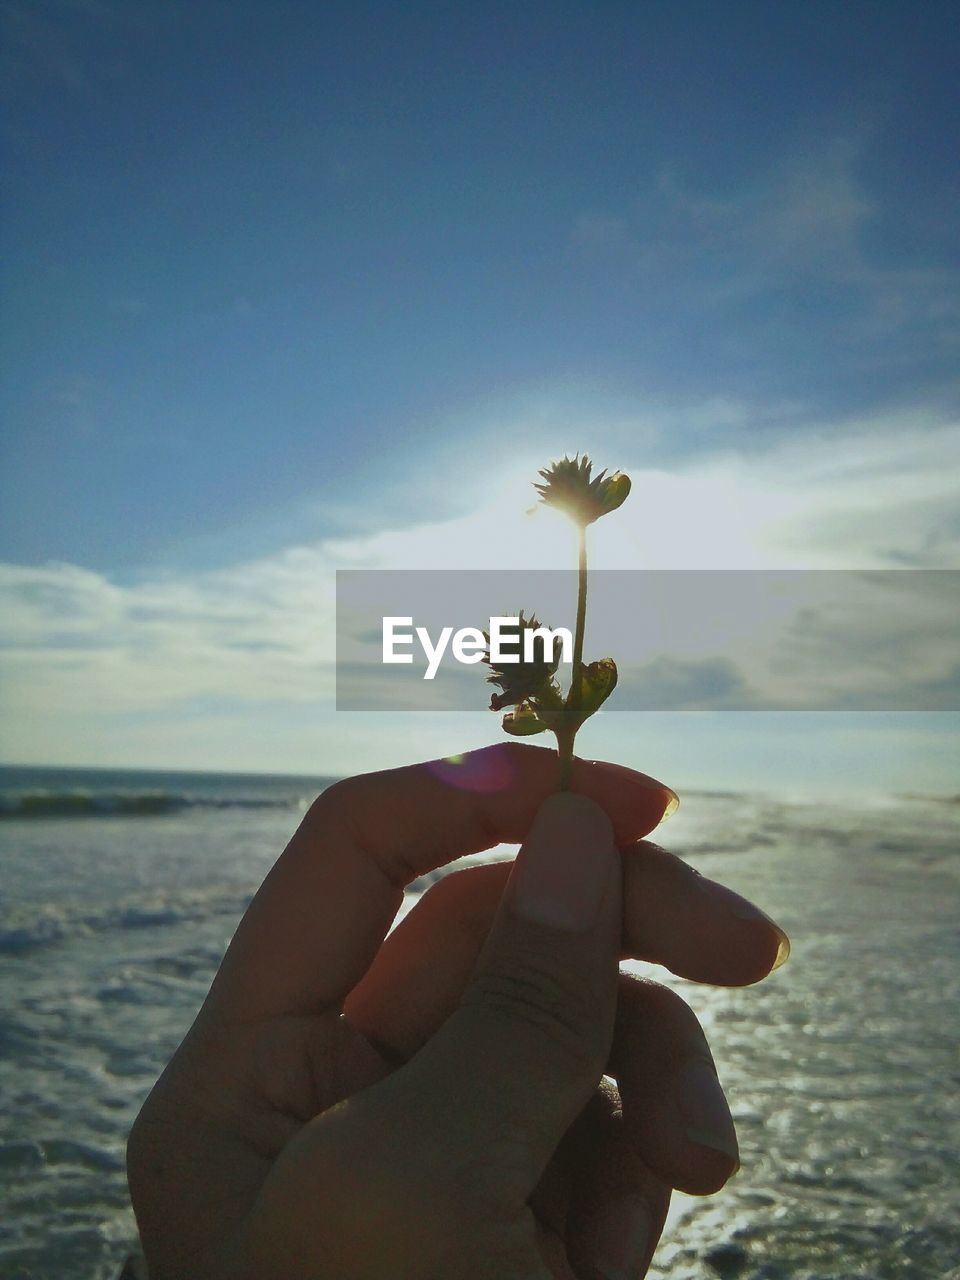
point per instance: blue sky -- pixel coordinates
(289, 286)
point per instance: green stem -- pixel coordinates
(581, 614)
(565, 751)
(565, 738)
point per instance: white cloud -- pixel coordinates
(74, 641)
(76, 644)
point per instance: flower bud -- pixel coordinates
(568, 487)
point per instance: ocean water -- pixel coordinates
(119, 892)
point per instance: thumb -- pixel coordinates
(525, 1050)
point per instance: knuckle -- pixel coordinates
(468, 897)
(341, 797)
(651, 1004)
(558, 1006)
(515, 752)
(645, 997)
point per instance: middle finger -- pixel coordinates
(697, 928)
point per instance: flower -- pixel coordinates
(568, 487)
(521, 680)
(530, 688)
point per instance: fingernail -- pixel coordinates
(670, 797)
(704, 1111)
(743, 909)
(563, 869)
(673, 803)
(622, 1238)
(783, 948)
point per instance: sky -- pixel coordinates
(292, 287)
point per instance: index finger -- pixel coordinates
(319, 917)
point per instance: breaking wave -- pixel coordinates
(48, 924)
(127, 804)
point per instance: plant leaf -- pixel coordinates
(615, 491)
(598, 681)
(523, 722)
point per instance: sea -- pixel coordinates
(120, 890)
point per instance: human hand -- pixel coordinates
(427, 1105)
